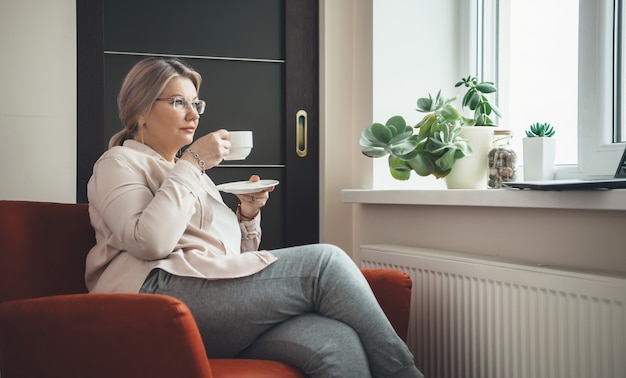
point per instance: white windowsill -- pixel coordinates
(586, 200)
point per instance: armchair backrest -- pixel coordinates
(43, 246)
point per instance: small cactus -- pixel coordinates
(538, 129)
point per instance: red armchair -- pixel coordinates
(50, 327)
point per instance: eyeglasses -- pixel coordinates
(181, 103)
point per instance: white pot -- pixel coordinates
(539, 154)
(471, 172)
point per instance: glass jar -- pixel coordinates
(502, 159)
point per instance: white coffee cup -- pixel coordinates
(240, 145)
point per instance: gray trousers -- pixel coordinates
(312, 309)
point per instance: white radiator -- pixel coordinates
(477, 317)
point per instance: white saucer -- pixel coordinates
(245, 187)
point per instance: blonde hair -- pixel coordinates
(143, 84)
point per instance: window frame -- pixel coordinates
(597, 99)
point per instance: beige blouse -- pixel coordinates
(149, 213)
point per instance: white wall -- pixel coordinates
(345, 101)
(38, 100)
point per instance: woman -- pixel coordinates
(162, 227)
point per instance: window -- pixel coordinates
(556, 61)
(541, 74)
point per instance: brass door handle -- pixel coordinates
(301, 133)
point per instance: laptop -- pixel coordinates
(617, 182)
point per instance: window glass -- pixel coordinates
(538, 70)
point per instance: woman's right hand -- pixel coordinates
(211, 148)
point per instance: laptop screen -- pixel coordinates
(621, 168)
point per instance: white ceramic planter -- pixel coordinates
(539, 154)
(471, 172)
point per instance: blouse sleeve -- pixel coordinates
(146, 222)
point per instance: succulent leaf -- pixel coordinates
(449, 113)
(463, 148)
(400, 174)
(401, 137)
(475, 100)
(446, 161)
(398, 123)
(425, 125)
(467, 98)
(540, 130)
(366, 143)
(422, 165)
(374, 152)
(486, 87)
(403, 148)
(486, 106)
(495, 110)
(381, 132)
(424, 104)
(399, 169)
(366, 134)
(368, 139)
(480, 119)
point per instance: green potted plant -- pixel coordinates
(540, 130)
(477, 102)
(473, 172)
(430, 147)
(539, 150)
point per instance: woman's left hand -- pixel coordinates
(252, 203)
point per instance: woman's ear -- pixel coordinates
(141, 120)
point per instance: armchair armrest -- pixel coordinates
(100, 335)
(392, 289)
